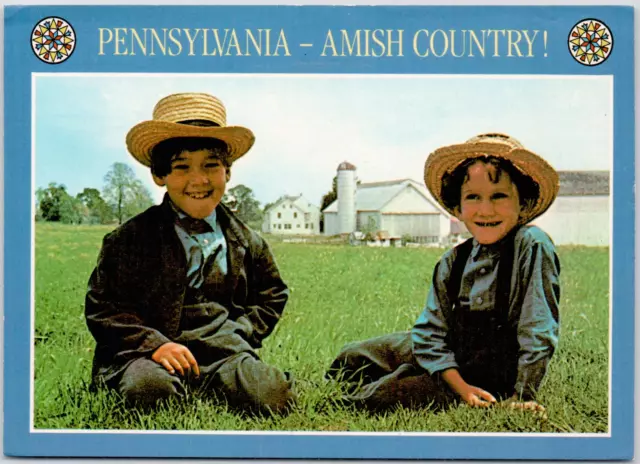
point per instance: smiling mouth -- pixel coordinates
(489, 224)
(199, 195)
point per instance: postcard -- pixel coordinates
(336, 232)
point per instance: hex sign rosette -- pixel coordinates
(53, 40)
(590, 42)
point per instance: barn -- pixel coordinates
(581, 214)
(292, 215)
(402, 208)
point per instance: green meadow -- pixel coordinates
(338, 294)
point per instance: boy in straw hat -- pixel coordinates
(490, 324)
(184, 293)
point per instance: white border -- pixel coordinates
(312, 433)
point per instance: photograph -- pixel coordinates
(303, 232)
(344, 237)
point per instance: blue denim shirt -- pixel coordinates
(533, 309)
(198, 247)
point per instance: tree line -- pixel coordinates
(122, 197)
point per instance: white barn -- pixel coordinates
(400, 207)
(581, 213)
(291, 215)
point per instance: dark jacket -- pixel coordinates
(136, 292)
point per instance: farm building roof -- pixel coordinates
(373, 196)
(578, 183)
(281, 200)
(293, 199)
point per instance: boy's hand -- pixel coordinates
(473, 396)
(477, 397)
(175, 357)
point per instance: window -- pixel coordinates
(306, 226)
(279, 215)
(298, 226)
(295, 215)
(287, 226)
(279, 226)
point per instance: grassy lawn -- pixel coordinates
(338, 294)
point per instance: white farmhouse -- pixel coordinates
(292, 215)
(399, 207)
(581, 214)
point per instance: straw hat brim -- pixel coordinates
(144, 136)
(446, 159)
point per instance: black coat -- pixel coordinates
(136, 292)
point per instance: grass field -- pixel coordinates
(338, 294)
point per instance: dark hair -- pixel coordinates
(528, 189)
(165, 152)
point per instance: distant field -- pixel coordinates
(338, 294)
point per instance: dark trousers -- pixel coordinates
(246, 383)
(381, 373)
(229, 366)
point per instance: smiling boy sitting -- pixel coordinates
(490, 324)
(184, 293)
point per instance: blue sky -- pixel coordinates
(305, 125)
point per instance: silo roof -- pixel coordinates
(346, 166)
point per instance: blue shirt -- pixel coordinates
(533, 309)
(198, 248)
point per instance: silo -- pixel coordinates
(346, 198)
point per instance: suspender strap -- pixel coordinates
(505, 269)
(457, 269)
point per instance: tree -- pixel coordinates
(141, 199)
(242, 201)
(370, 229)
(330, 196)
(267, 206)
(124, 193)
(56, 205)
(39, 197)
(99, 211)
(327, 199)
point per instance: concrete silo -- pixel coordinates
(346, 198)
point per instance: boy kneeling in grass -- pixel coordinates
(184, 293)
(490, 324)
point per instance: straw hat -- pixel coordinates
(445, 160)
(188, 115)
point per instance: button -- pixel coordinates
(483, 271)
(479, 300)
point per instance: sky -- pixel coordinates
(306, 125)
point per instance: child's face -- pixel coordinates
(489, 210)
(196, 183)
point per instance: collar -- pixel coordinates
(212, 219)
(478, 250)
(492, 249)
(229, 225)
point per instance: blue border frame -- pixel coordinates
(305, 24)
